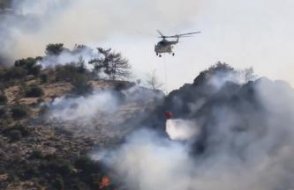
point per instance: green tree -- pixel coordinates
(112, 64)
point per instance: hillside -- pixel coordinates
(65, 127)
(228, 129)
(39, 150)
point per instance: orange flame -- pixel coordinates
(105, 182)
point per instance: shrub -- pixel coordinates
(36, 154)
(76, 76)
(3, 99)
(43, 109)
(66, 73)
(34, 91)
(16, 132)
(2, 112)
(25, 63)
(58, 183)
(54, 49)
(85, 164)
(36, 70)
(44, 78)
(29, 64)
(80, 85)
(15, 73)
(59, 166)
(14, 135)
(19, 112)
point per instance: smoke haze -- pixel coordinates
(245, 139)
(35, 24)
(244, 34)
(235, 131)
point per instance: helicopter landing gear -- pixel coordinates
(157, 54)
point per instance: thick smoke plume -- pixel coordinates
(104, 113)
(244, 138)
(80, 54)
(83, 108)
(30, 25)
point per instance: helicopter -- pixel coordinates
(166, 46)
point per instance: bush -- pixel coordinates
(36, 154)
(3, 99)
(16, 132)
(36, 70)
(58, 166)
(54, 49)
(25, 63)
(14, 135)
(14, 73)
(66, 73)
(29, 64)
(19, 112)
(80, 85)
(76, 76)
(69, 73)
(85, 164)
(2, 112)
(43, 109)
(44, 78)
(34, 91)
(58, 183)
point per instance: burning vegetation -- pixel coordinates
(105, 182)
(54, 115)
(67, 122)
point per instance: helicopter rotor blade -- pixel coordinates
(190, 33)
(186, 36)
(178, 36)
(161, 35)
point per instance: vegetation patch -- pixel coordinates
(34, 91)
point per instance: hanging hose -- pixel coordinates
(165, 76)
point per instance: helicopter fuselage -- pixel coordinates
(165, 46)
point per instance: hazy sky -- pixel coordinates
(252, 33)
(258, 34)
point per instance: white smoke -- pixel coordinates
(221, 77)
(258, 156)
(83, 108)
(105, 114)
(180, 129)
(34, 24)
(149, 162)
(84, 55)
